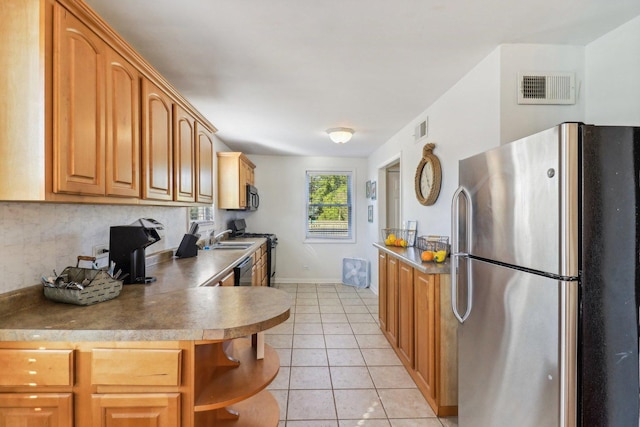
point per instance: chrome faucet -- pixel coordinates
(219, 236)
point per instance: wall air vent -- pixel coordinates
(546, 88)
(422, 130)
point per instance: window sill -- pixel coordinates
(333, 241)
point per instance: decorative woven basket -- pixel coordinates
(102, 287)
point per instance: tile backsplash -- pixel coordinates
(36, 238)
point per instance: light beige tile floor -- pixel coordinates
(337, 369)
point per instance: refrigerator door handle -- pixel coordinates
(456, 254)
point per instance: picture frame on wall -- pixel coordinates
(373, 190)
(368, 189)
(370, 212)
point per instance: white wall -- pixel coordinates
(463, 122)
(281, 183)
(36, 238)
(613, 83)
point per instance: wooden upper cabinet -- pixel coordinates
(79, 121)
(184, 139)
(96, 114)
(79, 107)
(123, 127)
(157, 143)
(235, 171)
(204, 164)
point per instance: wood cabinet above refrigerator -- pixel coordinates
(235, 172)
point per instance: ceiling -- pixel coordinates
(273, 75)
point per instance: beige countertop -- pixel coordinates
(412, 256)
(175, 307)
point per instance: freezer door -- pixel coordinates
(524, 198)
(516, 350)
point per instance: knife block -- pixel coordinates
(188, 247)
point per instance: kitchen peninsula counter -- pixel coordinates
(177, 306)
(174, 352)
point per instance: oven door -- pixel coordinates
(243, 272)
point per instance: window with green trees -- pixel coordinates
(329, 205)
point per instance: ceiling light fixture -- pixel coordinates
(340, 135)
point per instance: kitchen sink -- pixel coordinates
(232, 245)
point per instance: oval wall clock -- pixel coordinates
(428, 176)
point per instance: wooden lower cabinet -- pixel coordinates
(416, 317)
(139, 384)
(228, 280)
(259, 271)
(136, 409)
(425, 333)
(36, 409)
(392, 300)
(382, 290)
(405, 314)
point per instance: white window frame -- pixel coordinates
(351, 192)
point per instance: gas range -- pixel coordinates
(238, 227)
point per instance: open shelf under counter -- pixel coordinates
(259, 410)
(230, 372)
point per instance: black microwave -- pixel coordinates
(253, 199)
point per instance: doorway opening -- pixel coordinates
(392, 204)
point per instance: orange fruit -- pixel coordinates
(427, 256)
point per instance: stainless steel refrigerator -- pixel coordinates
(545, 277)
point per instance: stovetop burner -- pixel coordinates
(238, 227)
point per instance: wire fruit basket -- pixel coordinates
(398, 237)
(433, 248)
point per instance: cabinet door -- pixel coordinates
(425, 331)
(392, 300)
(79, 107)
(184, 140)
(136, 410)
(405, 313)
(123, 127)
(157, 146)
(36, 410)
(204, 165)
(245, 172)
(382, 290)
(228, 280)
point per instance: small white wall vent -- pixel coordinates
(546, 88)
(422, 130)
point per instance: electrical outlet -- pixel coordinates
(100, 251)
(306, 267)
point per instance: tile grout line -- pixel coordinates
(326, 353)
